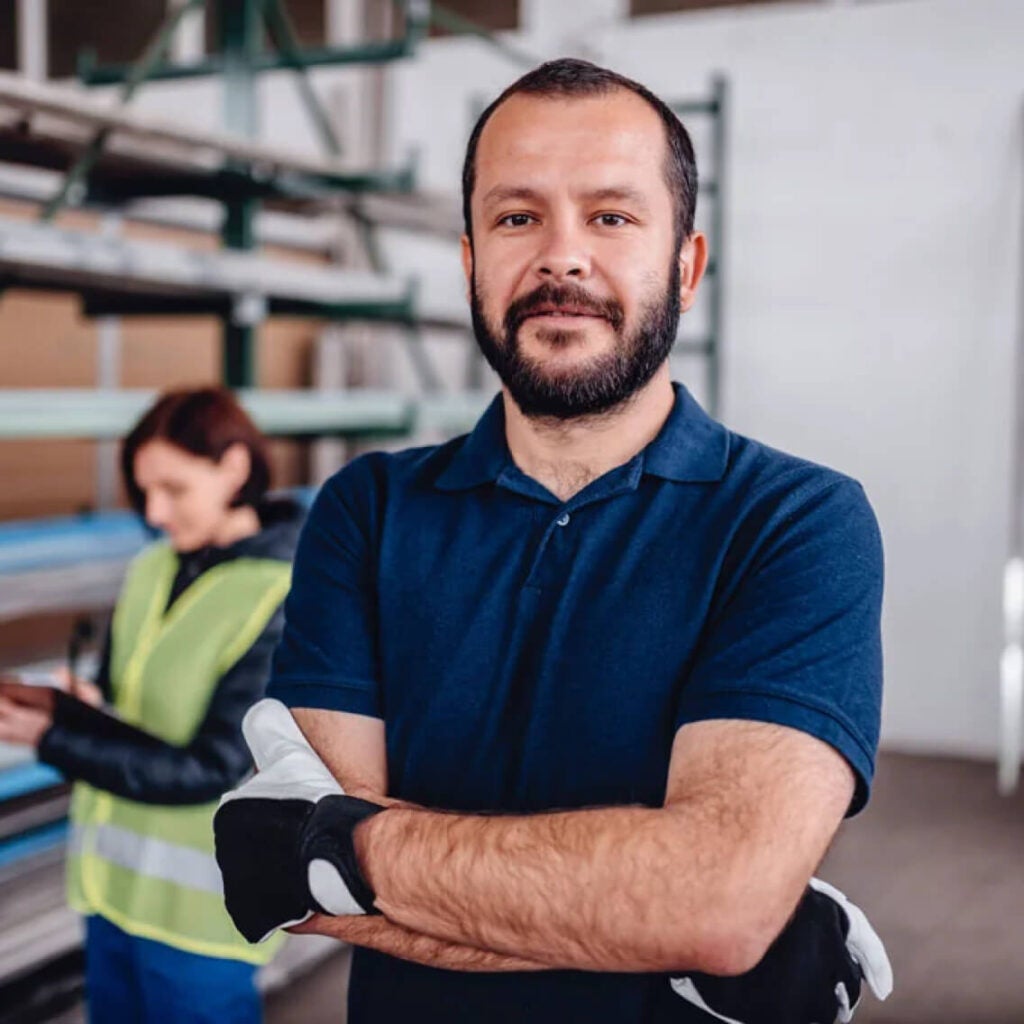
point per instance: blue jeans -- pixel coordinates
(129, 980)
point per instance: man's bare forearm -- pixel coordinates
(704, 883)
(607, 889)
(387, 937)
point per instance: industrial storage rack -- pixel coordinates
(41, 563)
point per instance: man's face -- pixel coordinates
(573, 271)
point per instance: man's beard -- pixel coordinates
(601, 383)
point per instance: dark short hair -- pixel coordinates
(204, 422)
(573, 78)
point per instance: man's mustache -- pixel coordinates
(572, 298)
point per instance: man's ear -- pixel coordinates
(693, 261)
(467, 263)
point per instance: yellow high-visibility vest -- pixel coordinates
(150, 868)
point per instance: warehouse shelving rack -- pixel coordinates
(114, 158)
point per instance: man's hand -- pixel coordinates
(284, 838)
(812, 972)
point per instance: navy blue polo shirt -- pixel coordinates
(528, 654)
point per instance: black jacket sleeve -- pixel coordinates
(208, 766)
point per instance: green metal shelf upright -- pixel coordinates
(716, 109)
(238, 185)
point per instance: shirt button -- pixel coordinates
(563, 519)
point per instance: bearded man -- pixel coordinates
(600, 679)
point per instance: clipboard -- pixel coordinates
(73, 713)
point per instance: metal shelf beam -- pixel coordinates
(126, 277)
(366, 53)
(29, 413)
(212, 150)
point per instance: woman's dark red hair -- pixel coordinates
(204, 422)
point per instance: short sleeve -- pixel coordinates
(797, 641)
(327, 657)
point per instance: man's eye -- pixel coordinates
(515, 220)
(611, 220)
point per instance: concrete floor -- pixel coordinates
(937, 861)
(317, 998)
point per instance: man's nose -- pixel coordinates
(563, 255)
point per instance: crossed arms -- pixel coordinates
(705, 882)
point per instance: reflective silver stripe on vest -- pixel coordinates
(153, 858)
(75, 840)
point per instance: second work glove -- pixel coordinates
(812, 973)
(284, 838)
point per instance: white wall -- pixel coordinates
(872, 261)
(872, 267)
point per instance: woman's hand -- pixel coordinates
(78, 687)
(22, 724)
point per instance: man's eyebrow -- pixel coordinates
(610, 193)
(617, 193)
(504, 193)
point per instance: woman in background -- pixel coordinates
(188, 652)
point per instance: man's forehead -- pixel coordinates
(615, 125)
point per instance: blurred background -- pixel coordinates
(265, 193)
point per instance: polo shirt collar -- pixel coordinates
(690, 448)
(482, 456)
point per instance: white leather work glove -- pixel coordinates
(284, 837)
(812, 973)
